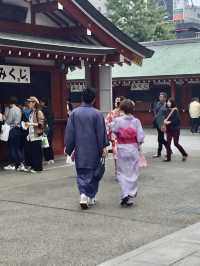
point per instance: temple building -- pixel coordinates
(174, 68)
(41, 40)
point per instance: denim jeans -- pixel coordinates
(15, 147)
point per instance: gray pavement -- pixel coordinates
(179, 249)
(41, 222)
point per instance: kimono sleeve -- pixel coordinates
(70, 135)
(101, 132)
(140, 132)
(115, 126)
(108, 120)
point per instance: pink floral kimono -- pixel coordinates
(129, 133)
(111, 137)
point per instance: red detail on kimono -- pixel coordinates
(111, 137)
(126, 135)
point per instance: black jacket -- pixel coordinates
(160, 111)
(174, 119)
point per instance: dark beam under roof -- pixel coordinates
(42, 31)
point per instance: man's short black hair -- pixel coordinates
(88, 96)
(163, 94)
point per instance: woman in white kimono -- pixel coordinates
(130, 135)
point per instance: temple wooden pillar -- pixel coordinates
(58, 102)
(184, 96)
(92, 81)
(95, 83)
(173, 89)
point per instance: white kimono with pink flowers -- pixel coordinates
(130, 134)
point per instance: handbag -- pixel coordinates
(163, 128)
(100, 170)
(5, 131)
(69, 160)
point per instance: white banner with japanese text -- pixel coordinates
(14, 74)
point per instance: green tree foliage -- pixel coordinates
(143, 20)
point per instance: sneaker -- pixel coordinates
(92, 201)
(9, 167)
(22, 168)
(33, 171)
(84, 202)
(26, 169)
(51, 162)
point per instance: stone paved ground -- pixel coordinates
(41, 222)
(181, 248)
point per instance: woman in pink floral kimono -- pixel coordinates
(109, 120)
(130, 135)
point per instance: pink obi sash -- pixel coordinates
(126, 136)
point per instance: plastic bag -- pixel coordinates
(5, 131)
(45, 142)
(69, 160)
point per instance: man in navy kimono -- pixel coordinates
(86, 136)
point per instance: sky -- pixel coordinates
(196, 2)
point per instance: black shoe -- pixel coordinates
(124, 200)
(127, 201)
(184, 158)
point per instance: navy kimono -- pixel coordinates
(86, 135)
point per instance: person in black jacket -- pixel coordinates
(173, 124)
(160, 110)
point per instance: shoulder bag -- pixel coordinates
(163, 127)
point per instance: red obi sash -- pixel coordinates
(126, 136)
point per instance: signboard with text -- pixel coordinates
(140, 86)
(14, 74)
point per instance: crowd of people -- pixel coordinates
(29, 125)
(87, 136)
